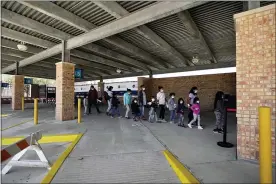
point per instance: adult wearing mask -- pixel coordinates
(92, 99)
(127, 102)
(192, 96)
(109, 97)
(142, 98)
(161, 99)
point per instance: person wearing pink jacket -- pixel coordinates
(196, 113)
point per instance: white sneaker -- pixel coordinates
(164, 121)
(200, 128)
(190, 126)
(171, 122)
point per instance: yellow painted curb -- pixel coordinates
(184, 175)
(16, 125)
(4, 115)
(55, 167)
(44, 140)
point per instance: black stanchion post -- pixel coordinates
(224, 142)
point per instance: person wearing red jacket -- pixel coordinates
(93, 99)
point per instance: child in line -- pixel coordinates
(85, 104)
(172, 107)
(196, 114)
(161, 99)
(127, 102)
(115, 106)
(135, 110)
(180, 112)
(219, 110)
(152, 112)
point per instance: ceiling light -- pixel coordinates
(22, 47)
(118, 70)
(195, 59)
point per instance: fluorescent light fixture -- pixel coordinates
(22, 47)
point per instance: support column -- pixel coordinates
(17, 91)
(101, 88)
(65, 80)
(255, 74)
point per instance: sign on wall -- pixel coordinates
(4, 85)
(28, 81)
(78, 73)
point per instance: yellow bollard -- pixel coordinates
(23, 103)
(265, 148)
(35, 111)
(79, 110)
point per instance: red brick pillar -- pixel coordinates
(17, 91)
(255, 60)
(65, 80)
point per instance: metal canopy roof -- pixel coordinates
(163, 45)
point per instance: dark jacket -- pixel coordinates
(115, 102)
(135, 108)
(92, 95)
(180, 109)
(153, 105)
(219, 106)
(140, 97)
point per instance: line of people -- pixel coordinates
(176, 108)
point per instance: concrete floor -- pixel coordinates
(120, 150)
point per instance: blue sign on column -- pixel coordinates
(4, 85)
(28, 81)
(78, 73)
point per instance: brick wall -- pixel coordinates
(255, 54)
(17, 91)
(208, 85)
(65, 80)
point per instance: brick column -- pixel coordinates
(101, 89)
(17, 91)
(255, 60)
(65, 80)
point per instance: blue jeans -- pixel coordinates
(180, 119)
(115, 110)
(172, 115)
(142, 110)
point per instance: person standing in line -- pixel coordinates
(196, 114)
(115, 110)
(219, 112)
(152, 112)
(142, 98)
(135, 110)
(192, 96)
(180, 112)
(172, 106)
(85, 104)
(161, 99)
(109, 97)
(93, 99)
(127, 102)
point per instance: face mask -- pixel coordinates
(172, 96)
(129, 93)
(144, 89)
(161, 90)
(153, 100)
(222, 97)
(197, 101)
(195, 91)
(181, 102)
(135, 101)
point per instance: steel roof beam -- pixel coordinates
(191, 26)
(63, 15)
(146, 15)
(27, 23)
(22, 37)
(118, 12)
(15, 55)
(34, 41)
